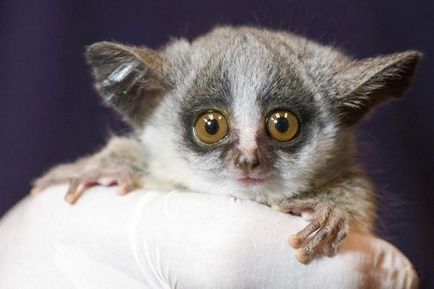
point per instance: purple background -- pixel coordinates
(50, 114)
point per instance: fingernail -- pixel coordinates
(123, 190)
(69, 198)
(294, 241)
(302, 256)
(35, 191)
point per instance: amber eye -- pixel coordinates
(211, 127)
(282, 125)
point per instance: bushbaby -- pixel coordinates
(253, 113)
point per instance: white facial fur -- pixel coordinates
(249, 68)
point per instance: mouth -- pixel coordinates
(249, 181)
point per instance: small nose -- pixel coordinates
(247, 161)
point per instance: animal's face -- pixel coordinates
(247, 122)
(251, 113)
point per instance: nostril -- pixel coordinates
(247, 162)
(254, 163)
(241, 162)
(237, 161)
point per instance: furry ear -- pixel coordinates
(130, 79)
(371, 81)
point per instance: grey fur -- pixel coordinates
(246, 73)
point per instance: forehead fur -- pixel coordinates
(268, 49)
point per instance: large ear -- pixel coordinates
(131, 79)
(368, 82)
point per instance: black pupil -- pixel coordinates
(212, 126)
(282, 124)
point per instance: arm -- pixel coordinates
(177, 240)
(122, 162)
(345, 204)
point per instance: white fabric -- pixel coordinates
(176, 240)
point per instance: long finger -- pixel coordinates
(299, 238)
(77, 189)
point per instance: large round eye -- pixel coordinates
(211, 127)
(282, 125)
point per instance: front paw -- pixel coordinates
(324, 234)
(80, 176)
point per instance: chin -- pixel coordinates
(261, 191)
(268, 192)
